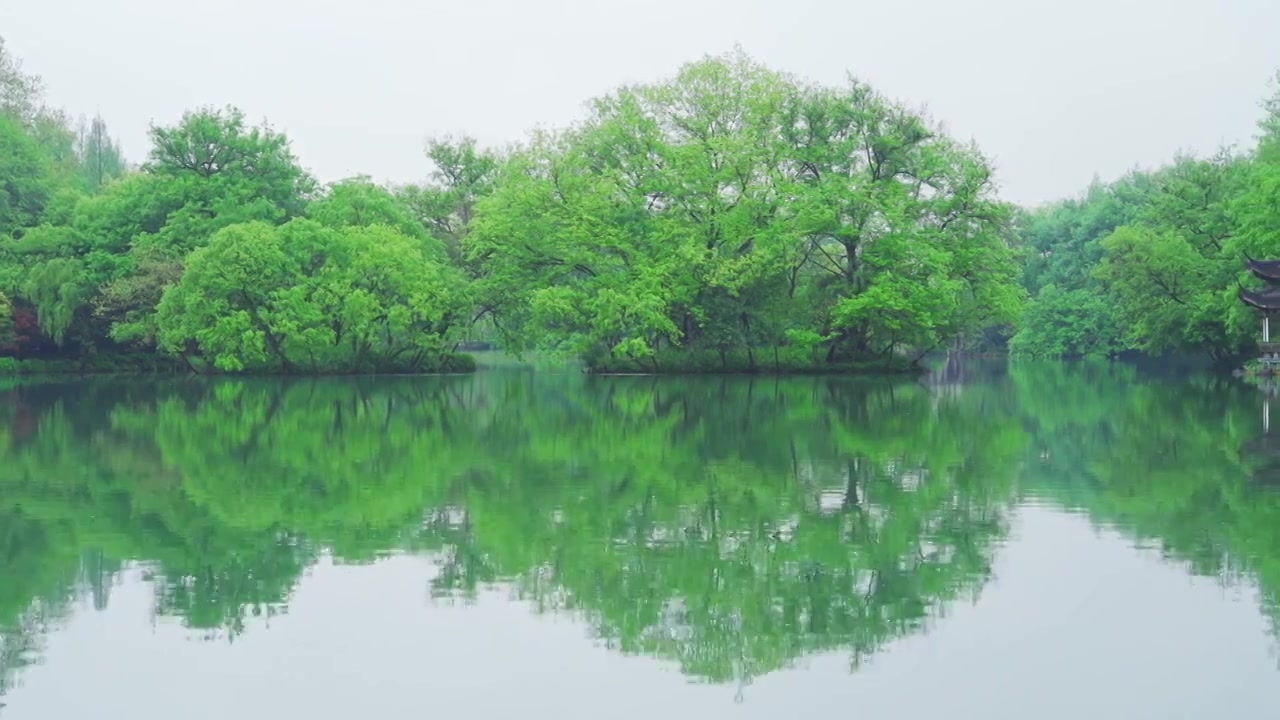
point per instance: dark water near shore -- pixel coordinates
(1041, 540)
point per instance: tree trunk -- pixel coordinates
(851, 485)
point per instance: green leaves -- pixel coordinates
(731, 204)
(232, 159)
(358, 202)
(58, 290)
(101, 263)
(1163, 286)
(8, 333)
(730, 210)
(26, 180)
(306, 297)
(1146, 263)
(1068, 324)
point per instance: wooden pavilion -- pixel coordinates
(1267, 302)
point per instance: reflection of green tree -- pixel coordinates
(729, 524)
(732, 524)
(93, 485)
(687, 519)
(1167, 461)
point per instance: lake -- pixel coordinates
(1040, 540)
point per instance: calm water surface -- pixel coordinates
(1040, 541)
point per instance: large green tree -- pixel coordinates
(735, 209)
(220, 171)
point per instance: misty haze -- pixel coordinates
(616, 359)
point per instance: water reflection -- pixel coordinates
(1180, 464)
(730, 525)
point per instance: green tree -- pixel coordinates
(21, 94)
(101, 158)
(1066, 324)
(223, 172)
(358, 202)
(127, 305)
(1170, 272)
(1063, 245)
(22, 100)
(304, 296)
(100, 264)
(462, 174)
(26, 180)
(906, 243)
(720, 210)
(59, 291)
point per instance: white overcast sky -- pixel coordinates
(1055, 91)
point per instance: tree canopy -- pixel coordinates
(734, 209)
(1151, 262)
(305, 296)
(731, 218)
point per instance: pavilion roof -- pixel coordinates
(1268, 270)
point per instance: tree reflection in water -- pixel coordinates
(730, 525)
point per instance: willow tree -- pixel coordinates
(306, 297)
(733, 209)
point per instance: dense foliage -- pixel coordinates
(734, 210)
(203, 252)
(1152, 262)
(731, 218)
(302, 296)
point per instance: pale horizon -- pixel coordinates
(1056, 96)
